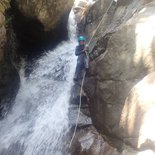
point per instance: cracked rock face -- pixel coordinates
(48, 12)
(129, 58)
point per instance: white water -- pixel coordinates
(38, 122)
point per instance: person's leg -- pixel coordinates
(83, 69)
(76, 74)
(77, 71)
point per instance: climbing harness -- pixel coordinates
(79, 109)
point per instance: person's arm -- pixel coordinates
(78, 52)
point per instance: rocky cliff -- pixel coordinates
(123, 54)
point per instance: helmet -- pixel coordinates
(81, 38)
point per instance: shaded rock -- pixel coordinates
(48, 12)
(9, 78)
(9, 84)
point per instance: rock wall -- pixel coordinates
(124, 59)
(9, 79)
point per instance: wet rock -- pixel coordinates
(88, 142)
(84, 115)
(9, 84)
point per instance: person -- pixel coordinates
(82, 61)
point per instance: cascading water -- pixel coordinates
(39, 118)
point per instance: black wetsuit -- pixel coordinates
(81, 61)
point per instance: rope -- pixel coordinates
(100, 23)
(79, 109)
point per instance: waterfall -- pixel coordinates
(38, 120)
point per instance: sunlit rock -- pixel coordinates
(138, 112)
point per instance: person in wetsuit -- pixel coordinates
(82, 61)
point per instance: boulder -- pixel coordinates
(48, 12)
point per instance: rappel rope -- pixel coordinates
(79, 109)
(100, 23)
(80, 103)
